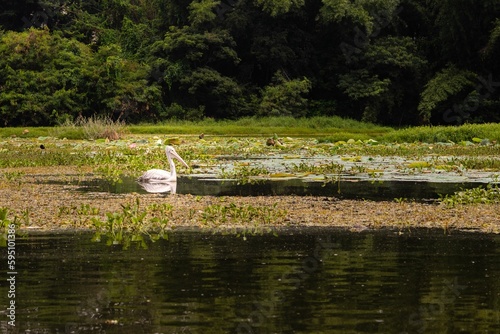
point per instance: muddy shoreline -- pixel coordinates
(40, 205)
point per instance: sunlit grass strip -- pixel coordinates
(267, 126)
(329, 128)
(432, 134)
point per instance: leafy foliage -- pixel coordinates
(366, 13)
(395, 62)
(47, 78)
(285, 97)
(275, 8)
(447, 83)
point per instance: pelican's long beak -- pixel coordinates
(178, 157)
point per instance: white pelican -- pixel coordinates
(164, 187)
(160, 175)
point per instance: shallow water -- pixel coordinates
(300, 281)
(348, 188)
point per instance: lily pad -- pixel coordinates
(419, 164)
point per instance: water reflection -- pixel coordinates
(302, 281)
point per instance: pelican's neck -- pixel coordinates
(173, 174)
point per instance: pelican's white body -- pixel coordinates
(159, 187)
(160, 175)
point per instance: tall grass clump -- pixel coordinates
(91, 128)
(432, 134)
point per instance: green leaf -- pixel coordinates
(445, 84)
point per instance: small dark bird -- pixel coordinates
(201, 136)
(42, 147)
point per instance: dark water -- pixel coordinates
(300, 281)
(346, 188)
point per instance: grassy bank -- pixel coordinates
(334, 127)
(328, 128)
(428, 134)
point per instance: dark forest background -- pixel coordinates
(393, 62)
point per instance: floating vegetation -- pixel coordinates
(6, 225)
(479, 195)
(320, 169)
(419, 165)
(133, 225)
(217, 214)
(246, 218)
(23, 170)
(245, 174)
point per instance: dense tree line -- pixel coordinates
(393, 62)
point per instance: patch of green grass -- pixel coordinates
(328, 129)
(246, 215)
(455, 134)
(479, 195)
(133, 225)
(244, 174)
(335, 127)
(330, 168)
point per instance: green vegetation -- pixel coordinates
(133, 225)
(479, 195)
(392, 62)
(325, 129)
(136, 150)
(5, 226)
(217, 214)
(456, 134)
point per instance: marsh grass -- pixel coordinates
(92, 128)
(327, 129)
(266, 126)
(245, 174)
(455, 134)
(479, 195)
(97, 127)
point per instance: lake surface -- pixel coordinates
(297, 281)
(345, 187)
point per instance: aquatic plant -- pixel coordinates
(326, 168)
(133, 225)
(400, 200)
(419, 165)
(244, 174)
(476, 162)
(13, 176)
(479, 195)
(242, 215)
(6, 225)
